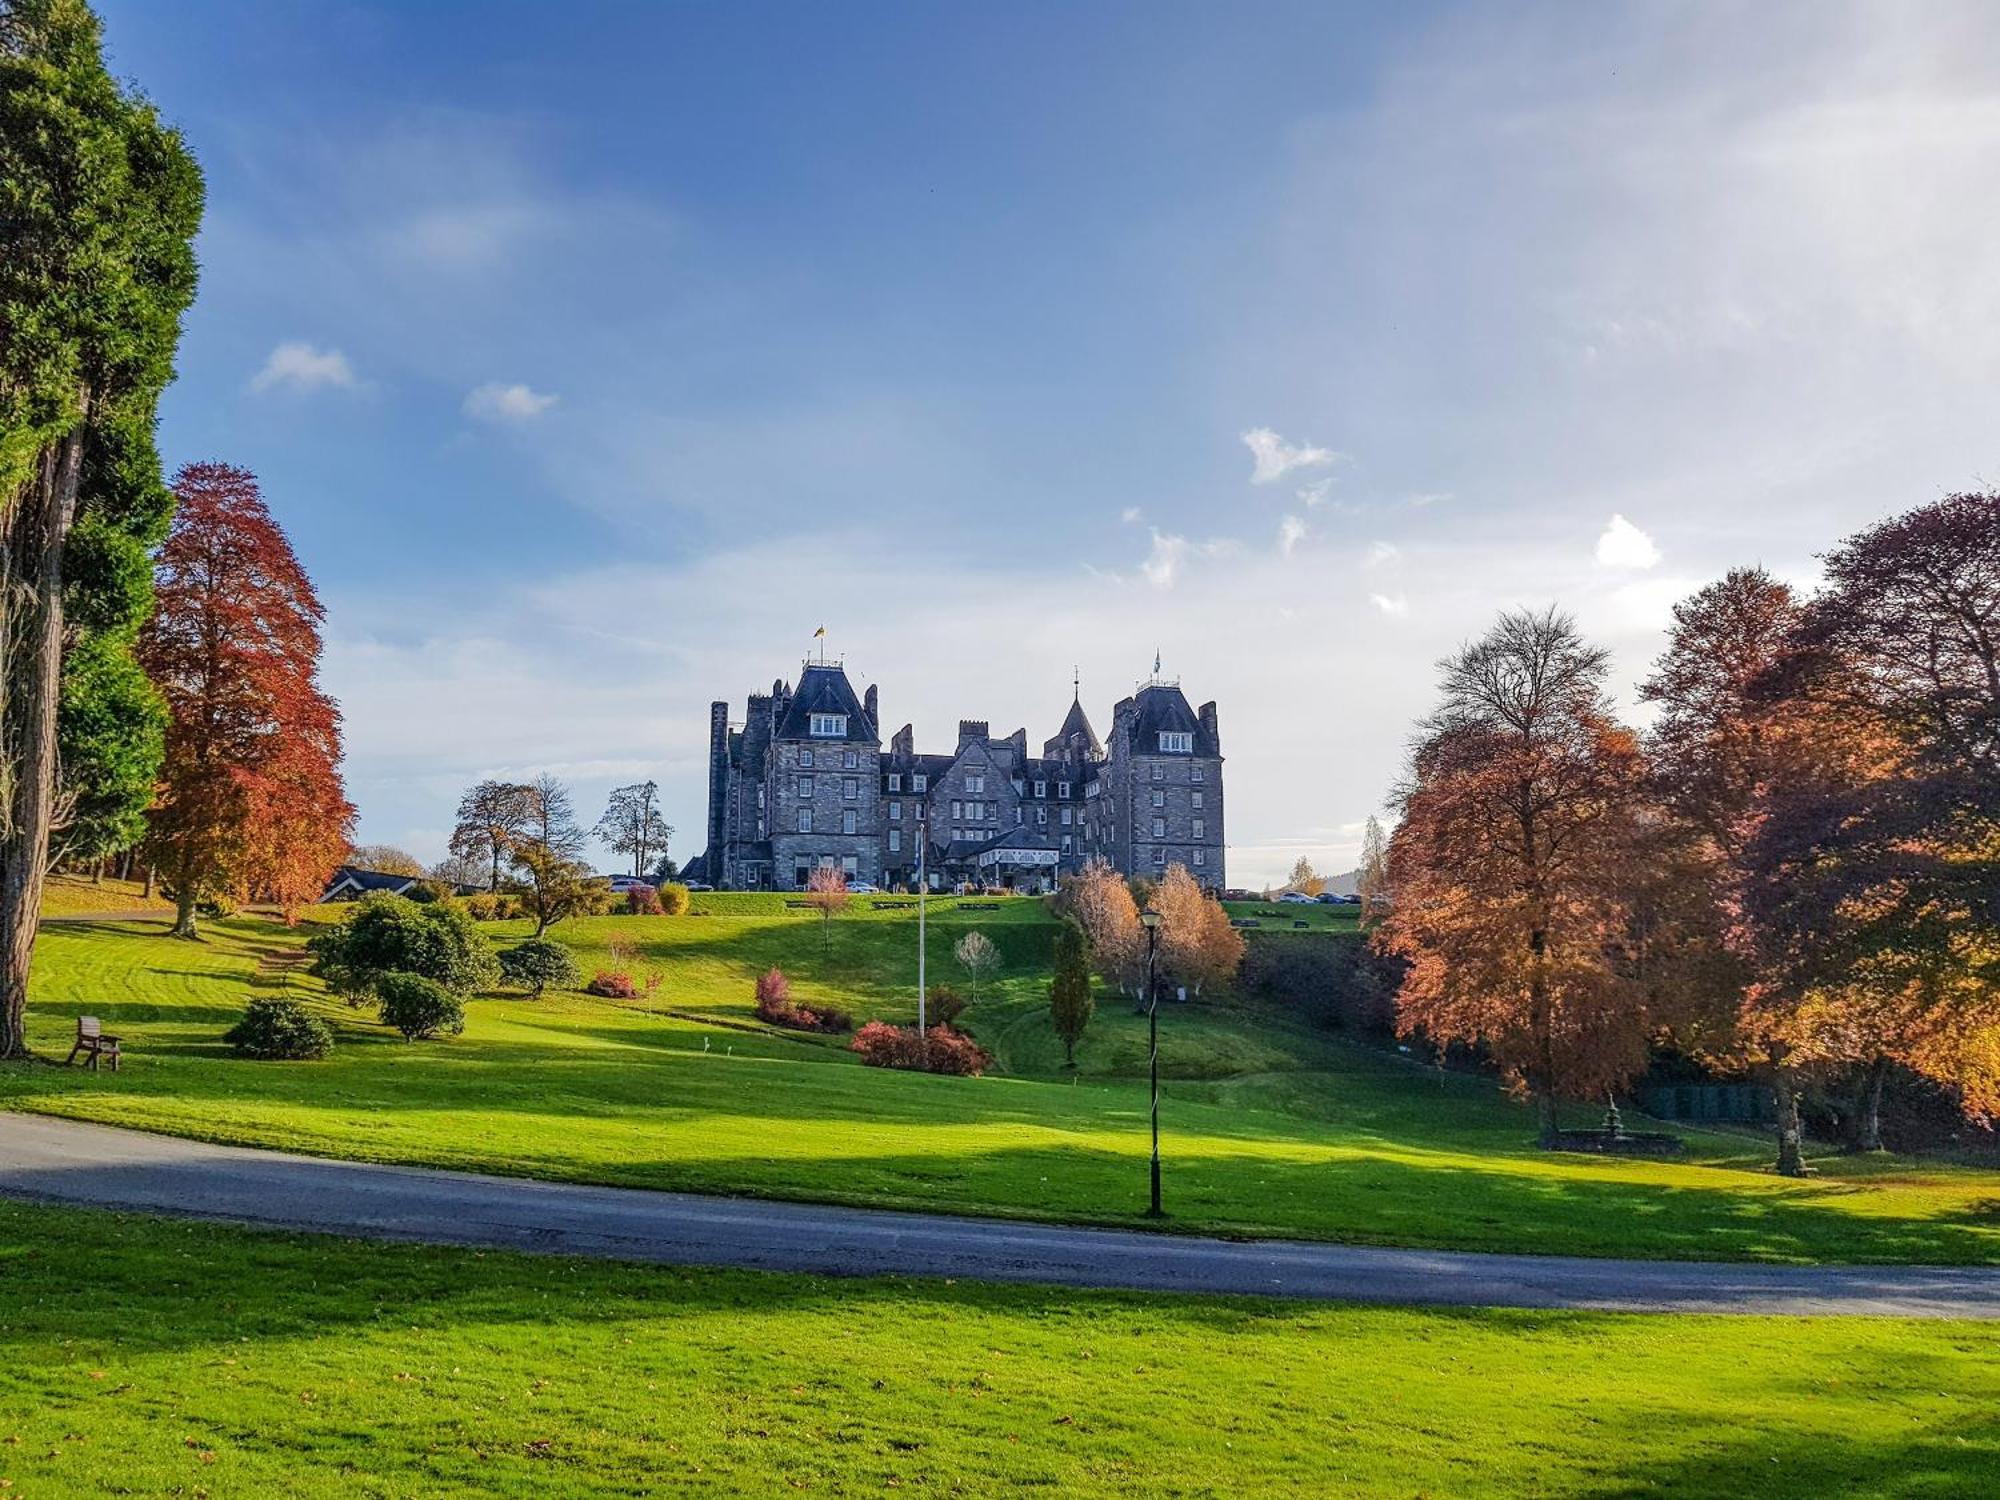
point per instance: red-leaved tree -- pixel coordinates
(251, 804)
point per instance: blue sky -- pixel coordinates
(593, 355)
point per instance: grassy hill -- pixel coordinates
(1271, 1126)
(157, 1357)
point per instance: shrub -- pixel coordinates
(537, 964)
(673, 900)
(277, 1027)
(612, 984)
(774, 1006)
(426, 891)
(486, 906)
(387, 934)
(643, 901)
(941, 1050)
(1338, 981)
(943, 1005)
(419, 1007)
(596, 899)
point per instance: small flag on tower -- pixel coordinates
(819, 632)
(1156, 663)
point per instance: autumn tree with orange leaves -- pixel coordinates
(251, 804)
(1516, 909)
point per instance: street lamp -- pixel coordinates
(1150, 919)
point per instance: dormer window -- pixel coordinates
(918, 780)
(829, 726)
(1176, 742)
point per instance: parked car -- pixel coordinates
(1296, 898)
(1237, 893)
(1348, 900)
(698, 885)
(862, 888)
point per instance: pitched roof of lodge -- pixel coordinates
(1162, 707)
(824, 690)
(1012, 838)
(367, 880)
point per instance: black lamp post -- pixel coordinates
(1151, 920)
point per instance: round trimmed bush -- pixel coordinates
(420, 1008)
(278, 1028)
(539, 963)
(673, 899)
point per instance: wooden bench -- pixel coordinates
(94, 1043)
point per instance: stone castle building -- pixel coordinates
(806, 780)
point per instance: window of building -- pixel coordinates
(1200, 829)
(895, 812)
(1197, 800)
(1065, 817)
(828, 726)
(1062, 788)
(851, 760)
(1065, 843)
(895, 840)
(1196, 773)
(1041, 817)
(850, 865)
(1041, 789)
(1159, 797)
(848, 823)
(958, 809)
(1176, 742)
(958, 835)
(895, 781)
(850, 786)
(1198, 860)
(1159, 773)
(805, 759)
(918, 781)
(975, 783)
(1159, 856)
(805, 786)
(805, 820)
(1159, 828)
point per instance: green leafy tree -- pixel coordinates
(1070, 1001)
(420, 1008)
(539, 963)
(492, 817)
(99, 204)
(385, 934)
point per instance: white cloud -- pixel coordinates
(1275, 458)
(1396, 606)
(1383, 553)
(1291, 531)
(1315, 494)
(507, 403)
(303, 367)
(1624, 545)
(1129, 515)
(1164, 563)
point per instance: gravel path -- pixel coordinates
(66, 1161)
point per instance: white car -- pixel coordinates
(862, 888)
(1297, 898)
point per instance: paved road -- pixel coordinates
(70, 1162)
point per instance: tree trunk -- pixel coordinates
(152, 874)
(1868, 1128)
(1791, 1135)
(184, 909)
(31, 632)
(1545, 1117)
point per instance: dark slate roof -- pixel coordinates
(695, 869)
(1162, 708)
(371, 880)
(824, 690)
(1078, 722)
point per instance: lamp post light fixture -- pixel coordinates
(1150, 920)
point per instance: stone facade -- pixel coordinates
(805, 781)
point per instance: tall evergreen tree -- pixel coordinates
(1070, 1000)
(99, 204)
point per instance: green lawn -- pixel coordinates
(154, 1357)
(69, 895)
(1270, 1127)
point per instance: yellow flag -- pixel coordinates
(819, 632)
